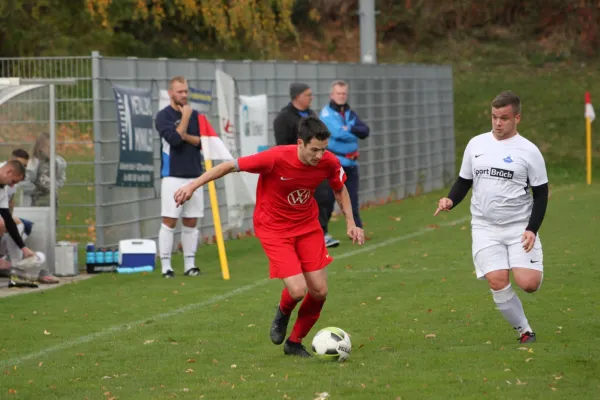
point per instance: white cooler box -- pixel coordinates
(135, 253)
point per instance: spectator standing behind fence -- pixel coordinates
(285, 126)
(181, 162)
(346, 129)
(36, 185)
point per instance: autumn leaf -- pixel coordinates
(47, 332)
(233, 366)
(149, 341)
(189, 370)
(430, 336)
(191, 360)
(12, 391)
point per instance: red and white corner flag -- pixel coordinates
(589, 109)
(212, 145)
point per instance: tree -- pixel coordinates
(235, 24)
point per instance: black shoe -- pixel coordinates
(169, 274)
(527, 337)
(192, 272)
(279, 327)
(295, 349)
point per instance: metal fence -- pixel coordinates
(409, 109)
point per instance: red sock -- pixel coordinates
(287, 303)
(309, 313)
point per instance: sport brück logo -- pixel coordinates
(298, 197)
(494, 173)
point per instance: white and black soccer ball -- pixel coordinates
(332, 344)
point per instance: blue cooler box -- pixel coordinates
(137, 253)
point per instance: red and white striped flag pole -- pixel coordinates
(589, 117)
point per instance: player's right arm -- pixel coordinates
(174, 135)
(11, 228)
(461, 187)
(256, 163)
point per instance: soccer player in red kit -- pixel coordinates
(286, 222)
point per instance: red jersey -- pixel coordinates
(285, 206)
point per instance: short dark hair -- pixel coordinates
(17, 167)
(508, 98)
(20, 153)
(310, 128)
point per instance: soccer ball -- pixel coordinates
(332, 344)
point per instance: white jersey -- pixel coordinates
(502, 171)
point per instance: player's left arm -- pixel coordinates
(538, 180)
(340, 192)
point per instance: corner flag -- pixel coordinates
(590, 115)
(214, 149)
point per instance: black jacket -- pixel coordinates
(286, 124)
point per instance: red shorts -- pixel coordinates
(295, 255)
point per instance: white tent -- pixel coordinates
(12, 87)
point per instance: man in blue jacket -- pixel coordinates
(346, 129)
(181, 162)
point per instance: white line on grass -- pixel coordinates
(117, 328)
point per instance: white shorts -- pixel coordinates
(499, 247)
(193, 208)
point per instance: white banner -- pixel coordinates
(237, 194)
(254, 131)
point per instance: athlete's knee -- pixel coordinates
(498, 282)
(189, 222)
(319, 292)
(298, 291)
(169, 222)
(531, 286)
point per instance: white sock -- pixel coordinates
(14, 251)
(189, 242)
(511, 308)
(165, 247)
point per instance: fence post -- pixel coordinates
(98, 176)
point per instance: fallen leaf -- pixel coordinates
(215, 361)
(348, 266)
(430, 335)
(488, 342)
(453, 310)
(362, 385)
(530, 351)
(185, 390)
(425, 255)
(12, 391)
(397, 266)
(107, 377)
(506, 369)
(233, 366)
(175, 291)
(528, 359)
(430, 310)
(553, 389)
(149, 341)
(509, 382)
(80, 354)
(523, 348)
(378, 298)
(40, 363)
(189, 370)
(242, 378)
(191, 360)
(46, 332)
(521, 383)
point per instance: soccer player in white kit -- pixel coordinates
(510, 194)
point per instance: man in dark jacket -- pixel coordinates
(285, 126)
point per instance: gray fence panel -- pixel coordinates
(409, 109)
